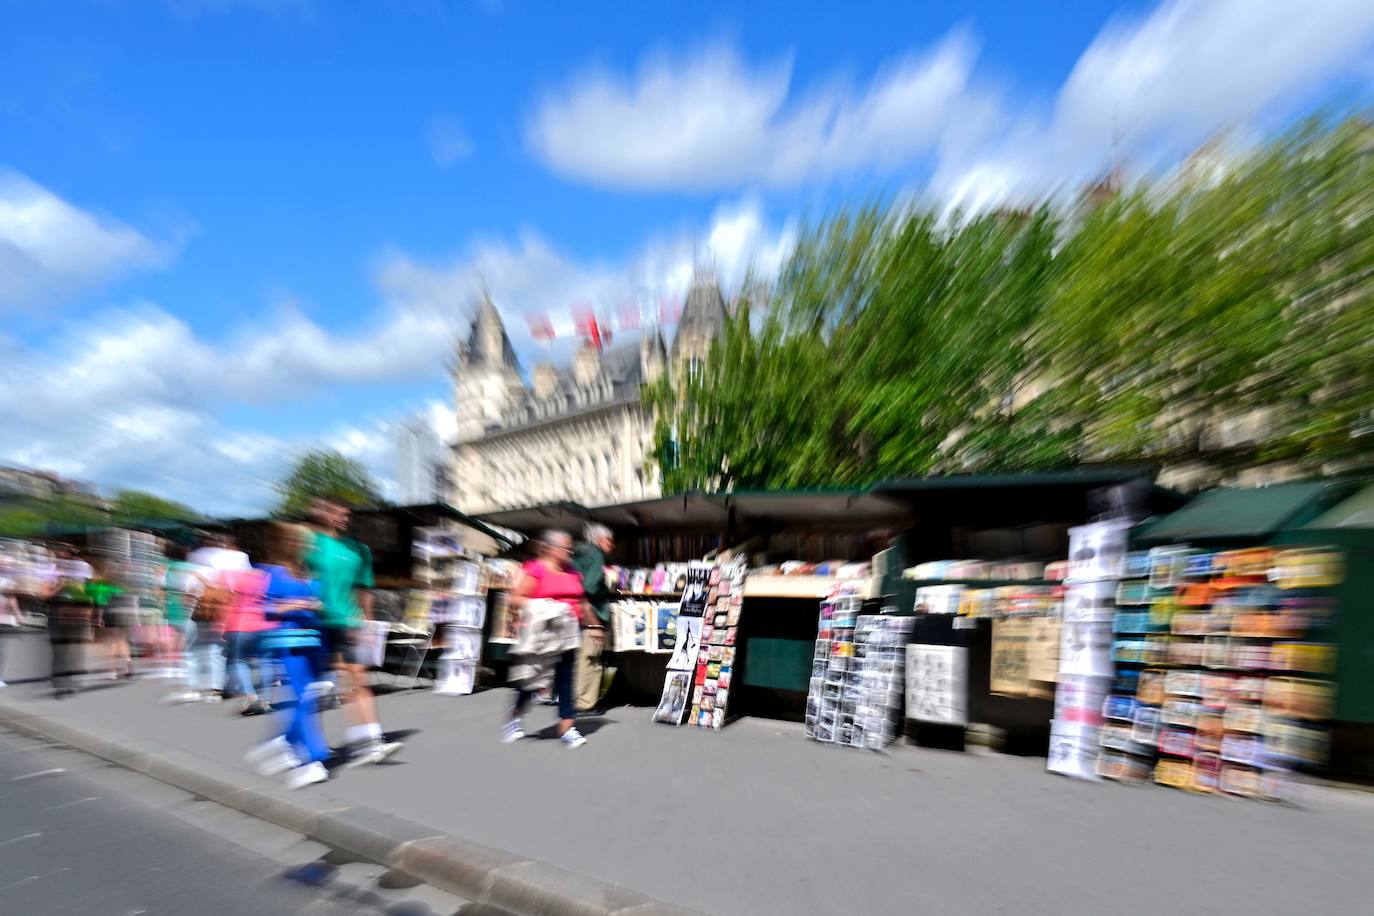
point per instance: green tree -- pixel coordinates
(132, 506)
(1216, 317)
(327, 474)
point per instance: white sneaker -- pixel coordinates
(573, 738)
(512, 732)
(307, 775)
(186, 696)
(374, 752)
(3, 684)
(212, 697)
(273, 757)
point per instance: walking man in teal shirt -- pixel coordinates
(343, 569)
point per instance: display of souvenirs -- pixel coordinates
(1087, 647)
(715, 660)
(665, 579)
(677, 631)
(1137, 692)
(630, 625)
(975, 571)
(858, 697)
(1243, 699)
(456, 587)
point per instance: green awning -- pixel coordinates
(1355, 512)
(1248, 514)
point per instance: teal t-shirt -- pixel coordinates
(339, 566)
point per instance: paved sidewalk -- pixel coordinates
(755, 819)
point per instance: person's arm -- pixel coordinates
(520, 593)
(363, 582)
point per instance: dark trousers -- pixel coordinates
(562, 683)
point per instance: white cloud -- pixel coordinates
(708, 121)
(448, 142)
(50, 249)
(1145, 90)
(530, 276)
(1150, 89)
(134, 397)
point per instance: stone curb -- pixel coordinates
(481, 874)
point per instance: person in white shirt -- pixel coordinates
(218, 552)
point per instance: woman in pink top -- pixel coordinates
(243, 620)
(549, 575)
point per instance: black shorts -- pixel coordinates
(339, 642)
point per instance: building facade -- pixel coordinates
(580, 433)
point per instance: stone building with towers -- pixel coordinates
(577, 433)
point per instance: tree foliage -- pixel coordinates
(133, 506)
(330, 475)
(1223, 317)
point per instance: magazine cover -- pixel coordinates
(698, 588)
(688, 632)
(665, 628)
(677, 689)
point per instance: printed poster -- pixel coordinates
(937, 684)
(1009, 672)
(688, 642)
(677, 690)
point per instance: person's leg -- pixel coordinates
(188, 648)
(562, 681)
(587, 677)
(512, 730)
(304, 732)
(215, 655)
(240, 680)
(360, 708)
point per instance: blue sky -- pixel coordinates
(233, 230)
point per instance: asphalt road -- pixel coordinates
(79, 837)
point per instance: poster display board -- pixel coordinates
(678, 631)
(858, 675)
(715, 659)
(1097, 557)
(458, 605)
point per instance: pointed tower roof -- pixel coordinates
(488, 344)
(703, 315)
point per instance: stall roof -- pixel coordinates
(802, 506)
(1355, 512)
(1243, 514)
(1004, 500)
(684, 510)
(1076, 477)
(568, 516)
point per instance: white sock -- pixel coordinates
(374, 730)
(357, 734)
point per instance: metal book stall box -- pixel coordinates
(1243, 640)
(982, 570)
(759, 643)
(430, 569)
(655, 541)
